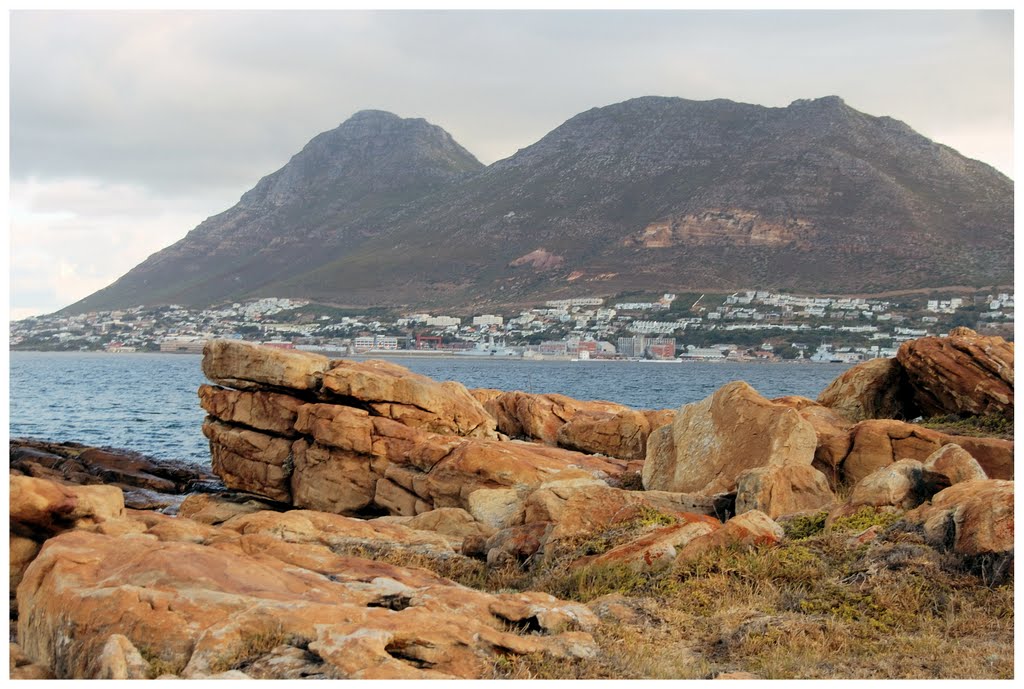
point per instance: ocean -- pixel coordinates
(148, 402)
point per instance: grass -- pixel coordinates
(812, 607)
(985, 426)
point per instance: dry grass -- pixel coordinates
(813, 608)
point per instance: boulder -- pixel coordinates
(749, 530)
(712, 442)
(515, 544)
(970, 518)
(782, 490)
(262, 411)
(965, 373)
(201, 610)
(621, 434)
(453, 522)
(655, 550)
(903, 485)
(330, 479)
(874, 389)
(249, 366)
(249, 460)
(539, 417)
(878, 443)
(397, 393)
(41, 508)
(955, 463)
(207, 508)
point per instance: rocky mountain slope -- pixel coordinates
(652, 193)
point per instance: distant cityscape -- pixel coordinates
(744, 326)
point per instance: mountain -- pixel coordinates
(660, 194)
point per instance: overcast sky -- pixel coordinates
(127, 129)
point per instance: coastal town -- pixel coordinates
(748, 325)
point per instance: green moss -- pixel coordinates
(805, 526)
(988, 425)
(865, 518)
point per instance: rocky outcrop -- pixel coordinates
(970, 518)
(963, 374)
(875, 389)
(621, 434)
(248, 366)
(710, 443)
(272, 608)
(900, 486)
(878, 443)
(955, 463)
(782, 490)
(540, 417)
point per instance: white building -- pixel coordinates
(487, 319)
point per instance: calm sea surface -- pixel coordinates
(148, 402)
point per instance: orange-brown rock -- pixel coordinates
(902, 485)
(249, 366)
(249, 460)
(658, 549)
(874, 389)
(620, 434)
(202, 609)
(397, 393)
(41, 508)
(261, 411)
(965, 373)
(540, 417)
(832, 429)
(971, 518)
(782, 490)
(208, 508)
(750, 529)
(712, 442)
(878, 443)
(22, 666)
(330, 479)
(955, 463)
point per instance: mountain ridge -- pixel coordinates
(651, 193)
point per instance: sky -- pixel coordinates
(127, 129)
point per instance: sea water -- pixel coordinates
(148, 402)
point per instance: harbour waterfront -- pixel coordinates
(148, 402)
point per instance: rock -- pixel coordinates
(782, 490)
(515, 544)
(22, 551)
(655, 550)
(622, 434)
(262, 411)
(248, 366)
(750, 529)
(83, 465)
(250, 461)
(119, 659)
(737, 675)
(832, 429)
(713, 441)
(42, 508)
(955, 463)
(540, 417)
(875, 444)
(333, 480)
(498, 508)
(448, 521)
(217, 509)
(903, 485)
(874, 389)
(964, 373)
(409, 398)
(970, 518)
(22, 667)
(201, 610)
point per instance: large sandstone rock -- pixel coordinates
(710, 443)
(832, 429)
(201, 610)
(656, 550)
(249, 460)
(249, 366)
(539, 417)
(955, 463)
(782, 490)
(621, 434)
(42, 508)
(875, 389)
(749, 530)
(964, 373)
(395, 392)
(878, 443)
(971, 518)
(261, 411)
(902, 485)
